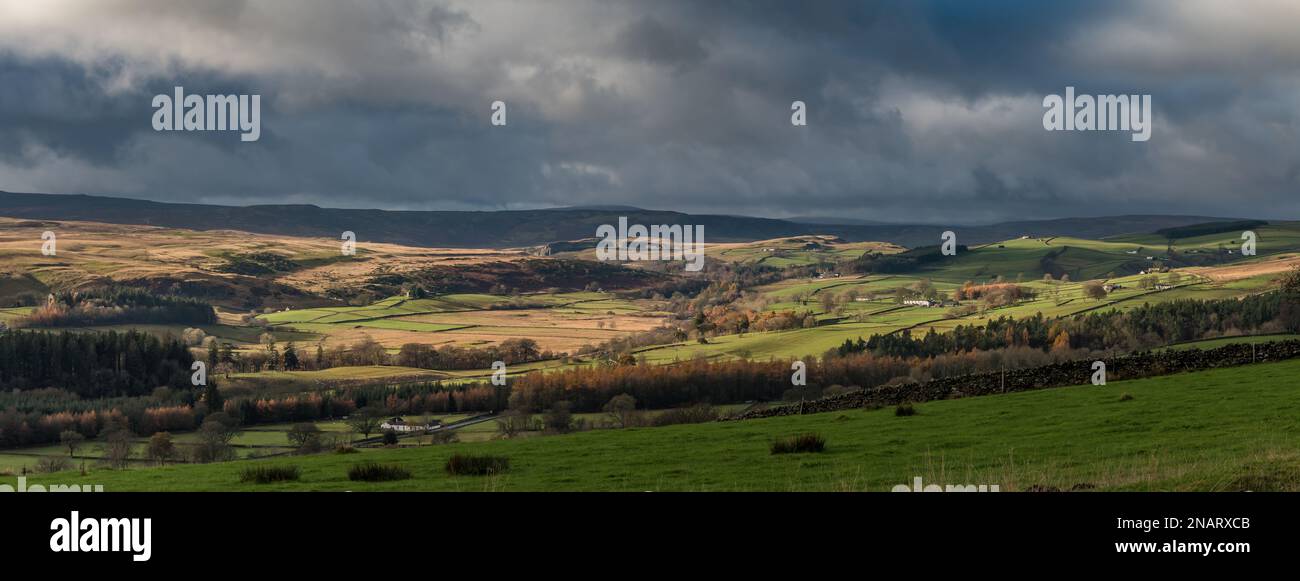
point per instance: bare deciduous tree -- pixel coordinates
(117, 448)
(71, 440)
(621, 408)
(305, 437)
(514, 421)
(366, 421)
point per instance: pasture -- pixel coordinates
(881, 314)
(1219, 430)
(560, 322)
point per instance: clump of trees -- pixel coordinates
(993, 294)
(511, 351)
(1094, 290)
(418, 398)
(118, 305)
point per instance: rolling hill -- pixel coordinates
(519, 228)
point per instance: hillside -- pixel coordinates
(246, 270)
(519, 228)
(484, 296)
(375, 319)
(309, 289)
(1222, 430)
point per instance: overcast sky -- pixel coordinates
(917, 111)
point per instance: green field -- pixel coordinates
(258, 440)
(1219, 430)
(1226, 429)
(882, 315)
(11, 314)
(249, 444)
(1272, 238)
(1080, 258)
(560, 322)
(567, 322)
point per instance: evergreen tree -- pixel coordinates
(290, 357)
(212, 396)
(214, 355)
(272, 356)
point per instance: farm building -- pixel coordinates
(397, 424)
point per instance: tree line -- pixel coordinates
(223, 358)
(93, 365)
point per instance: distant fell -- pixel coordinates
(520, 228)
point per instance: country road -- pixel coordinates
(444, 428)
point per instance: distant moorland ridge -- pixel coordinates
(519, 228)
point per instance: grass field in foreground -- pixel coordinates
(1226, 429)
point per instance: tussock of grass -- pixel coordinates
(376, 472)
(476, 464)
(799, 444)
(262, 474)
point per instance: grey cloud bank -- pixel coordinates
(917, 111)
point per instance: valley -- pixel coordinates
(417, 320)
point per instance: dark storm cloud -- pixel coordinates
(918, 111)
(60, 105)
(650, 40)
